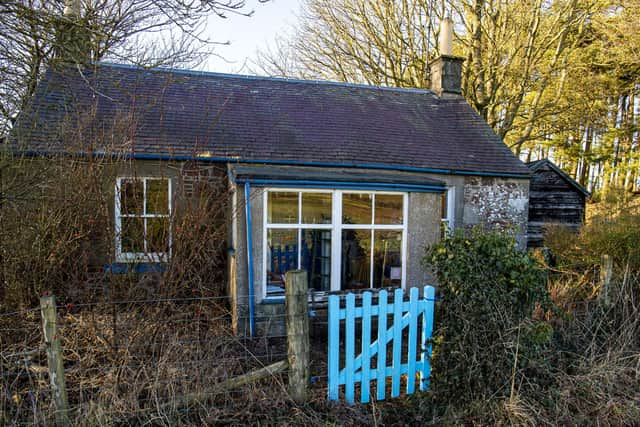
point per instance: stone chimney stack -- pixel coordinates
(72, 37)
(446, 69)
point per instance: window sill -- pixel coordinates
(131, 267)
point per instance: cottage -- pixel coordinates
(554, 199)
(348, 182)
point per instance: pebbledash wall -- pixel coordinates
(498, 203)
(494, 201)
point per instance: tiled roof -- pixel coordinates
(173, 113)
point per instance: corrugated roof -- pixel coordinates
(181, 114)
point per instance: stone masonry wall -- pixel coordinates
(498, 203)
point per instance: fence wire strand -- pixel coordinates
(129, 353)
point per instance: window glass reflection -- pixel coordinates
(282, 256)
(158, 196)
(316, 208)
(388, 209)
(356, 259)
(387, 258)
(158, 234)
(315, 259)
(132, 235)
(131, 197)
(282, 207)
(356, 208)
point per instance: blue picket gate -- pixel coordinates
(357, 368)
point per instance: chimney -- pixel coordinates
(72, 37)
(446, 69)
(71, 8)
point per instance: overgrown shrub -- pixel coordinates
(484, 328)
(57, 234)
(612, 229)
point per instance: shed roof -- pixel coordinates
(538, 164)
(161, 113)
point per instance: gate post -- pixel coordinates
(54, 359)
(606, 273)
(297, 308)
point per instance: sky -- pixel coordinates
(248, 34)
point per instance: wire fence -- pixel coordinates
(138, 358)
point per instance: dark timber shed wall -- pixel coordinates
(554, 198)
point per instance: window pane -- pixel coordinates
(356, 208)
(356, 261)
(132, 235)
(316, 208)
(158, 235)
(389, 208)
(282, 256)
(158, 196)
(131, 197)
(387, 258)
(316, 258)
(282, 207)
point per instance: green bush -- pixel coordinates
(484, 323)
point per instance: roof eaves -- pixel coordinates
(234, 160)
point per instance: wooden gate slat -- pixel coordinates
(334, 347)
(350, 344)
(397, 344)
(413, 339)
(366, 338)
(427, 330)
(382, 338)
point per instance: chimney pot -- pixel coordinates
(445, 37)
(72, 8)
(446, 69)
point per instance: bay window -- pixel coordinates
(343, 239)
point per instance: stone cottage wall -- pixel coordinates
(498, 203)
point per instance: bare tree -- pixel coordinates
(146, 32)
(517, 52)
(371, 41)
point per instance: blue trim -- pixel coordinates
(273, 300)
(144, 267)
(265, 78)
(247, 206)
(347, 185)
(165, 157)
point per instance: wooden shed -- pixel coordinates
(554, 198)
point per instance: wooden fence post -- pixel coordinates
(54, 359)
(297, 308)
(606, 273)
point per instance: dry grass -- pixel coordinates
(148, 368)
(130, 361)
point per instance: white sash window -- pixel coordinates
(142, 216)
